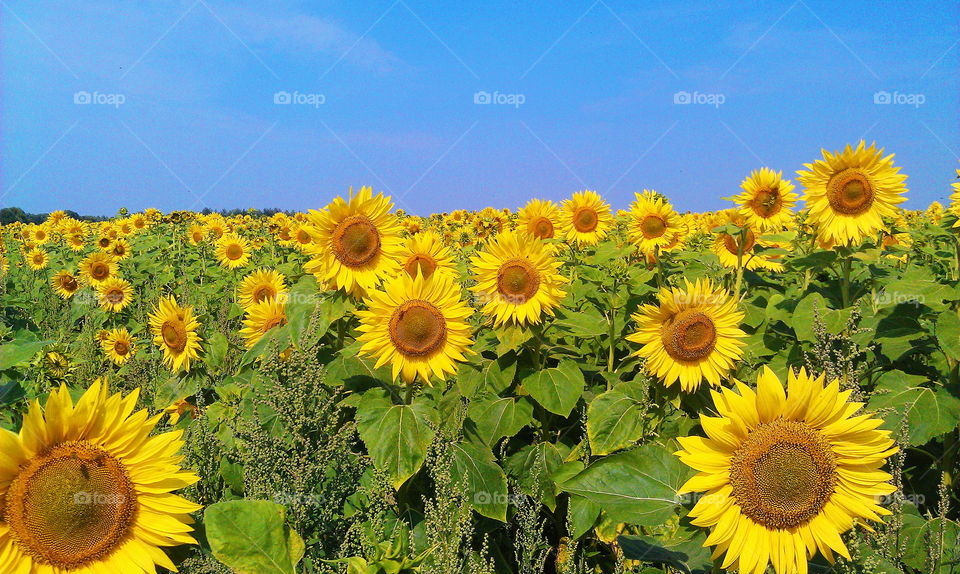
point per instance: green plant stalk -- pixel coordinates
(739, 280)
(845, 281)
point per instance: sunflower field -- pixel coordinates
(568, 388)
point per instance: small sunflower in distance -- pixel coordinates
(98, 267)
(653, 222)
(848, 193)
(174, 330)
(541, 219)
(262, 285)
(261, 317)
(418, 325)
(955, 201)
(586, 217)
(692, 334)
(356, 242)
(85, 488)
(37, 259)
(767, 200)
(426, 254)
(518, 279)
(118, 345)
(114, 294)
(65, 284)
(232, 251)
(785, 473)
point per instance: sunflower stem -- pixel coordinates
(845, 281)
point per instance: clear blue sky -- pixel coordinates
(198, 125)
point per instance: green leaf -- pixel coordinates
(216, 351)
(638, 486)
(815, 305)
(494, 376)
(485, 479)
(588, 322)
(557, 389)
(18, 352)
(496, 417)
(925, 412)
(251, 536)
(615, 418)
(396, 436)
(816, 259)
(688, 556)
(583, 514)
(948, 334)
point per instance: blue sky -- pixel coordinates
(182, 111)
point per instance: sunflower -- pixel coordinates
(118, 345)
(120, 249)
(418, 325)
(426, 254)
(261, 285)
(586, 217)
(37, 259)
(356, 243)
(653, 222)
(85, 488)
(195, 234)
(179, 408)
(541, 219)
(261, 317)
(114, 294)
(955, 201)
(65, 284)
(175, 332)
(849, 192)
(691, 335)
(76, 241)
(232, 251)
(785, 473)
(766, 200)
(98, 267)
(518, 279)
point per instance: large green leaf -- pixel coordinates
(948, 334)
(688, 556)
(496, 417)
(585, 323)
(396, 436)
(557, 389)
(638, 486)
(251, 537)
(492, 376)
(927, 413)
(615, 418)
(19, 351)
(485, 479)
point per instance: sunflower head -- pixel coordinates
(118, 345)
(356, 242)
(232, 251)
(518, 279)
(98, 267)
(65, 284)
(692, 334)
(541, 219)
(586, 217)
(37, 259)
(849, 192)
(785, 472)
(766, 200)
(261, 317)
(424, 253)
(653, 222)
(86, 488)
(174, 331)
(262, 285)
(114, 294)
(418, 325)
